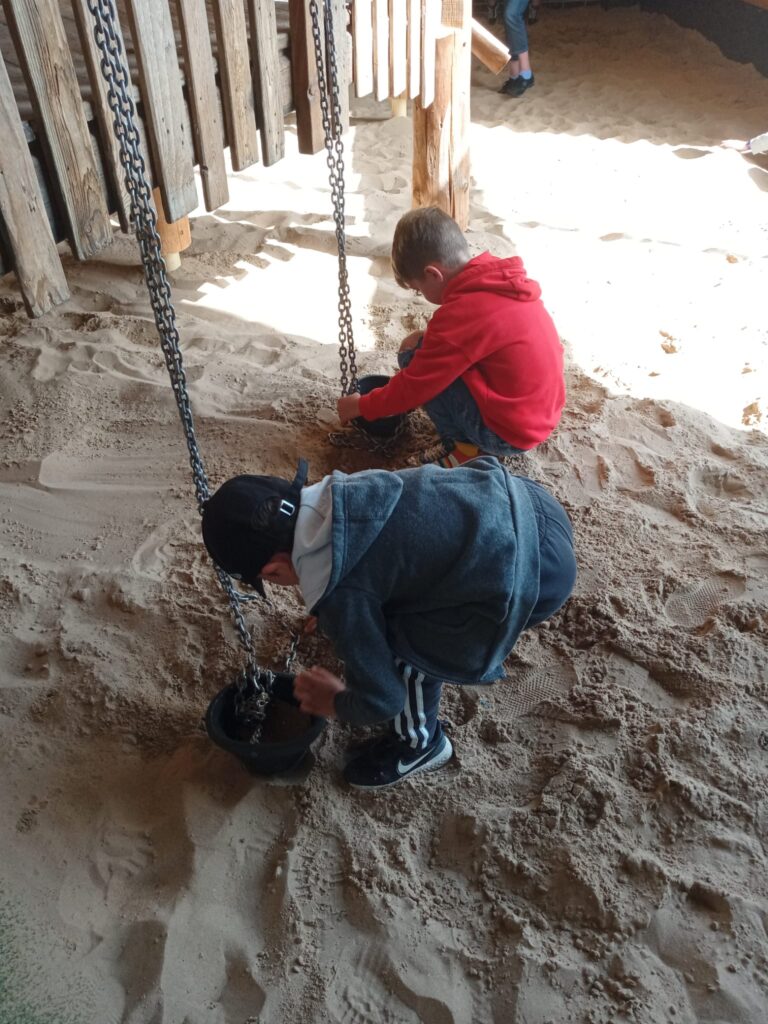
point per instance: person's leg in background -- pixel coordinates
(521, 77)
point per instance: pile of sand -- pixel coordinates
(595, 852)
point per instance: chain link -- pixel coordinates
(334, 145)
(292, 651)
(254, 684)
(356, 437)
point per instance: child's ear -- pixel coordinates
(272, 570)
(276, 568)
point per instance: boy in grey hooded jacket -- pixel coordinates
(418, 577)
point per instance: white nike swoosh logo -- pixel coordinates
(403, 768)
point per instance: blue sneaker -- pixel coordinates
(387, 760)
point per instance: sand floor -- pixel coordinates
(596, 852)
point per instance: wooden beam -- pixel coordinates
(22, 211)
(174, 238)
(488, 49)
(203, 101)
(236, 82)
(265, 70)
(306, 89)
(414, 48)
(102, 110)
(362, 38)
(165, 116)
(41, 44)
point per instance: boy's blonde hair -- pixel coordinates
(423, 236)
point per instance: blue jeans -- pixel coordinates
(514, 26)
(456, 416)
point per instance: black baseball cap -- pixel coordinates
(248, 519)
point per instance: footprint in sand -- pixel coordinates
(121, 854)
(400, 990)
(316, 878)
(137, 953)
(720, 483)
(361, 992)
(516, 697)
(693, 606)
(241, 998)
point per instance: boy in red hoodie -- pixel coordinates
(489, 367)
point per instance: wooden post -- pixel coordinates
(400, 105)
(175, 236)
(441, 130)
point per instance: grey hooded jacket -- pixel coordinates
(438, 567)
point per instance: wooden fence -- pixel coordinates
(206, 74)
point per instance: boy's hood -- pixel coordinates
(485, 273)
(362, 504)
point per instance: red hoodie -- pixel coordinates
(493, 331)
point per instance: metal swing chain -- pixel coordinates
(253, 684)
(334, 145)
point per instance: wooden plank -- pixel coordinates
(102, 111)
(414, 48)
(265, 70)
(362, 43)
(203, 102)
(41, 44)
(381, 48)
(430, 26)
(163, 104)
(461, 74)
(306, 89)
(488, 48)
(341, 42)
(398, 47)
(25, 224)
(236, 82)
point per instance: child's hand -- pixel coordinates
(315, 689)
(412, 341)
(348, 408)
(310, 626)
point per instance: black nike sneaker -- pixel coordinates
(387, 760)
